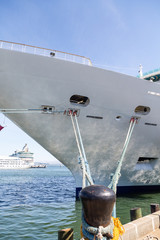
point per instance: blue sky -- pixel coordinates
(115, 34)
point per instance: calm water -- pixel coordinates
(36, 203)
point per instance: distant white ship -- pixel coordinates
(18, 160)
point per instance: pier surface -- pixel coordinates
(144, 228)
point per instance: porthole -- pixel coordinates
(145, 164)
(52, 54)
(142, 110)
(146, 159)
(79, 100)
(118, 118)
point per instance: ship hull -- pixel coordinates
(30, 81)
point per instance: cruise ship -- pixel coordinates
(18, 160)
(42, 90)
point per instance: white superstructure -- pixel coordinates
(53, 82)
(18, 160)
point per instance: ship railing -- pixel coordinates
(44, 52)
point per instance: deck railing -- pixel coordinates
(44, 52)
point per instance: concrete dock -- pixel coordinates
(145, 228)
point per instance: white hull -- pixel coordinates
(31, 81)
(18, 160)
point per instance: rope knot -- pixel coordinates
(99, 235)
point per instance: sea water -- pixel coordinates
(36, 203)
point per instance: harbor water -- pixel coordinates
(36, 203)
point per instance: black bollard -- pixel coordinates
(154, 207)
(135, 213)
(97, 203)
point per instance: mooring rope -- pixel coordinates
(85, 166)
(117, 174)
(92, 233)
(82, 146)
(115, 177)
(113, 231)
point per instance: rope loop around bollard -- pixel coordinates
(116, 230)
(100, 233)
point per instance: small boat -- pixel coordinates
(39, 166)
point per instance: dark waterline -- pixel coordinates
(36, 203)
